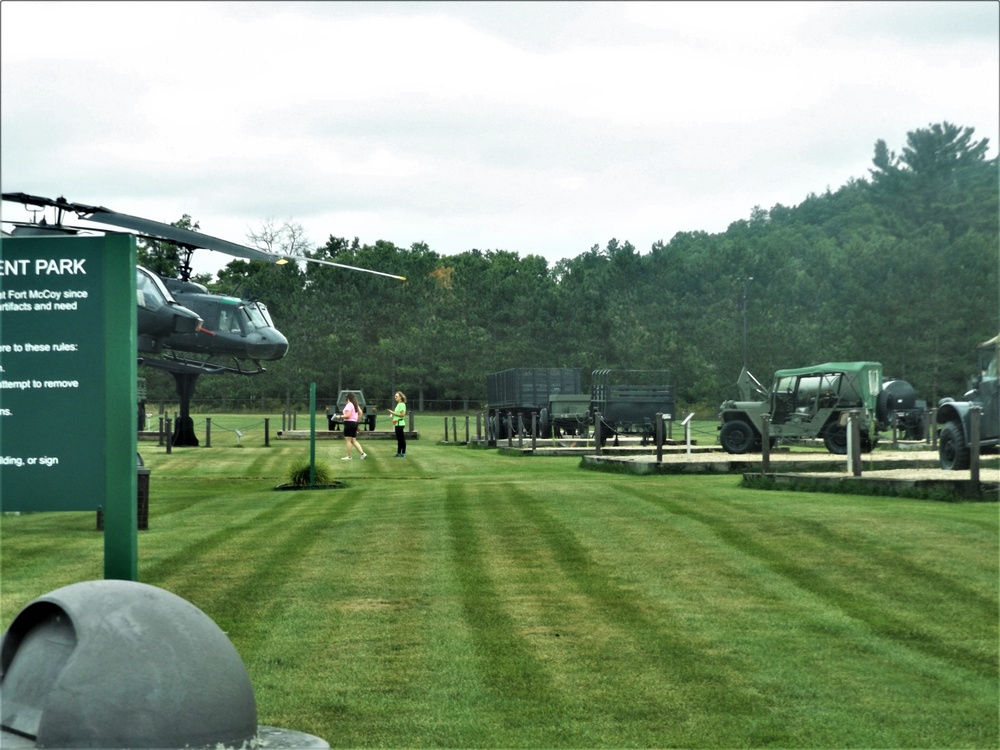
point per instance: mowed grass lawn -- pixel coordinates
(459, 598)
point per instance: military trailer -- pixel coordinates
(627, 401)
(808, 402)
(523, 391)
(954, 420)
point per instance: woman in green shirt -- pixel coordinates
(399, 423)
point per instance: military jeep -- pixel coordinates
(803, 403)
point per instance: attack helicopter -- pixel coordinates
(193, 331)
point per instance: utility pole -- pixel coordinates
(746, 328)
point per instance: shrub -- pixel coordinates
(298, 475)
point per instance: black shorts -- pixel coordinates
(350, 429)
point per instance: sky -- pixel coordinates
(538, 128)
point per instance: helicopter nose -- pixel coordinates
(267, 345)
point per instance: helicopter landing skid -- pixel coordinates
(182, 366)
(186, 373)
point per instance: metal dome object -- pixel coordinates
(120, 664)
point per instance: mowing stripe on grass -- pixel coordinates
(667, 669)
(757, 618)
(522, 689)
(468, 599)
(356, 636)
(249, 554)
(870, 608)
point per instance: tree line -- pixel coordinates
(898, 267)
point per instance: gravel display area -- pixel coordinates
(905, 467)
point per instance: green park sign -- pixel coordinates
(68, 383)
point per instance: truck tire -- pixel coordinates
(835, 439)
(606, 432)
(867, 446)
(759, 444)
(737, 436)
(544, 427)
(953, 449)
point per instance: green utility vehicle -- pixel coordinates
(808, 402)
(566, 414)
(953, 417)
(369, 412)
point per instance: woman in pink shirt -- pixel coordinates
(352, 412)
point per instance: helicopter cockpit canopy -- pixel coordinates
(150, 292)
(989, 353)
(239, 316)
(158, 313)
(259, 316)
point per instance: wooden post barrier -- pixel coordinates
(208, 432)
(854, 443)
(659, 437)
(765, 444)
(975, 414)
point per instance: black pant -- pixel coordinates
(400, 440)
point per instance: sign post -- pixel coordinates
(68, 383)
(312, 434)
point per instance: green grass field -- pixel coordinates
(459, 598)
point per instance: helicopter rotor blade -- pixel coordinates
(184, 237)
(147, 227)
(341, 265)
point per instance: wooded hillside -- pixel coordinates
(900, 266)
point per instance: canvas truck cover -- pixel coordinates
(863, 377)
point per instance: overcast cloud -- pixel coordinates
(540, 128)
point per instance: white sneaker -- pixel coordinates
(346, 458)
(364, 456)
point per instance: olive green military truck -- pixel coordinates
(954, 417)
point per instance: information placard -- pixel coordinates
(67, 372)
